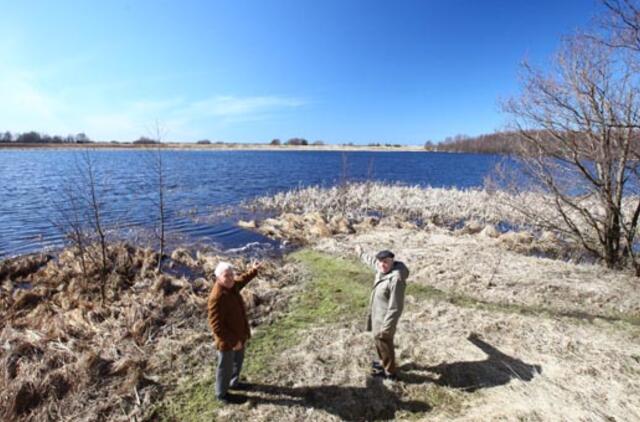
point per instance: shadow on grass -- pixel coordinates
(373, 402)
(497, 369)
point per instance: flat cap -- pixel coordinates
(384, 255)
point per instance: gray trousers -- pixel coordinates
(228, 370)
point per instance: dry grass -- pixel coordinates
(65, 357)
(301, 364)
(459, 359)
(488, 271)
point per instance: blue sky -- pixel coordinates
(250, 71)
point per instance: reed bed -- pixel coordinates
(528, 222)
(441, 206)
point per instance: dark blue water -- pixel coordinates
(33, 185)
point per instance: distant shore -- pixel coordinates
(220, 147)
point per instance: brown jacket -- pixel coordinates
(227, 315)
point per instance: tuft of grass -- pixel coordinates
(445, 398)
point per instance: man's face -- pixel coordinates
(226, 278)
(384, 265)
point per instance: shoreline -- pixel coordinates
(213, 147)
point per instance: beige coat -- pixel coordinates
(387, 298)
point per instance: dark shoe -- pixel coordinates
(376, 365)
(383, 374)
(231, 399)
(241, 386)
(391, 377)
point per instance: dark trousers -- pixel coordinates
(228, 370)
(384, 347)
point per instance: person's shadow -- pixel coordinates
(375, 401)
(372, 402)
(497, 369)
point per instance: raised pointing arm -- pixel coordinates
(247, 276)
(366, 259)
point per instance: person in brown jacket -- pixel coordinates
(230, 327)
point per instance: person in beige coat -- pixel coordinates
(385, 307)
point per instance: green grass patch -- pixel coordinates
(338, 290)
(194, 400)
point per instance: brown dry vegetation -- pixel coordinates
(314, 212)
(65, 357)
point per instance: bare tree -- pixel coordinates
(368, 184)
(343, 185)
(92, 190)
(158, 175)
(578, 124)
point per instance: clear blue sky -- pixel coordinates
(250, 71)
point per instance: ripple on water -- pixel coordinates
(34, 182)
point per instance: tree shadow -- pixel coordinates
(372, 402)
(497, 369)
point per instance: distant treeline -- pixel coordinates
(492, 143)
(513, 143)
(295, 142)
(34, 137)
(38, 138)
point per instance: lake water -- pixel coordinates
(33, 182)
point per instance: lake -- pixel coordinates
(33, 185)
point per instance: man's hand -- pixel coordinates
(257, 265)
(239, 345)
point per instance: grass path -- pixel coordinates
(336, 291)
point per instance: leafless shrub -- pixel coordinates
(343, 185)
(92, 189)
(69, 220)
